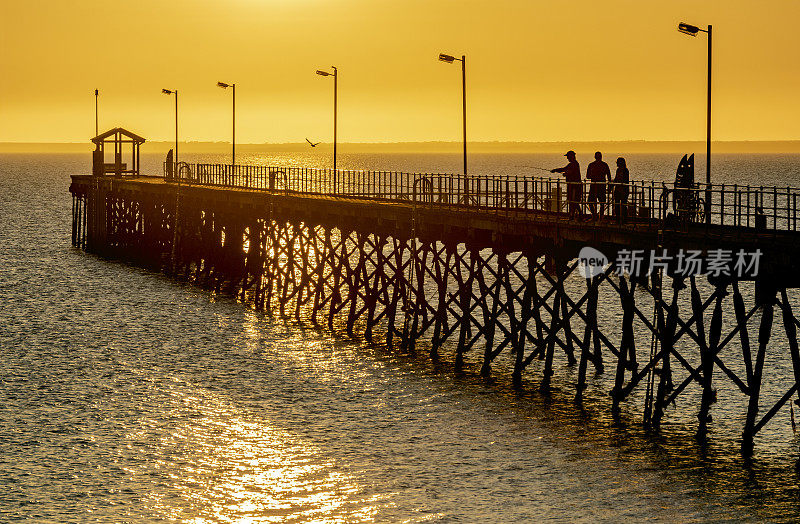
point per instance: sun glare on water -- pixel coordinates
(221, 466)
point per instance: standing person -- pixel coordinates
(572, 172)
(621, 180)
(598, 173)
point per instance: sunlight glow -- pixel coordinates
(237, 468)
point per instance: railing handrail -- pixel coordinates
(773, 208)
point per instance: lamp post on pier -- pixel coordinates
(174, 92)
(692, 30)
(335, 76)
(174, 251)
(449, 59)
(223, 85)
(96, 118)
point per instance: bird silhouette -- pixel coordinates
(312, 143)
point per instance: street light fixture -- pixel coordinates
(688, 29)
(223, 85)
(335, 75)
(174, 92)
(449, 59)
(693, 30)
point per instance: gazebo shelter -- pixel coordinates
(119, 137)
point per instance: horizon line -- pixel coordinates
(446, 142)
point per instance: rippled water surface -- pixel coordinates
(125, 396)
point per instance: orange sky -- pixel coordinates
(536, 70)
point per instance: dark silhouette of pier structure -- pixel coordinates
(480, 271)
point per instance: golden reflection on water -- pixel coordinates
(251, 325)
(227, 466)
(323, 366)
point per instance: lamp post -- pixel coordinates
(173, 255)
(450, 59)
(692, 30)
(335, 76)
(223, 85)
(96, 120)
(174, 92)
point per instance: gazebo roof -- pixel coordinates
(102, 136)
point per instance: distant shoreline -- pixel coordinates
(612, 147)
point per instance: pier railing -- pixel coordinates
(761, 207)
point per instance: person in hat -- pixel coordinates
(572, 173)
(599, 174)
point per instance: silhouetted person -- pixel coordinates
(598, 173)
(621, 180)
(572, 173)
(761, 219)
(170, 163)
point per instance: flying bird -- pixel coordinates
(312, 143)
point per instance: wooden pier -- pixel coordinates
(472, 269)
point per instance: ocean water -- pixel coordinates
(128, 397)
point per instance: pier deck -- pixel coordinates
(481, 226)
(482, 267)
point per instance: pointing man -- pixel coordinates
(572, 173)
